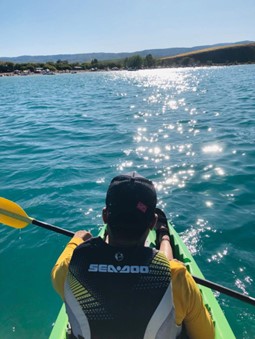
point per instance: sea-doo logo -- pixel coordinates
(102, 268)
(119, 256)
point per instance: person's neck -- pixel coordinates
(125, 243)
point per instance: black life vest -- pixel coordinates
(119, 293)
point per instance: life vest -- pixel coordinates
(119, 293)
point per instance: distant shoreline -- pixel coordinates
(13, 74)
(235, 54)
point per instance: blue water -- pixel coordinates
(63, 137)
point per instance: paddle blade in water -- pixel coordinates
(13, 215)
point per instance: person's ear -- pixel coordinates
(154, 221)
(105, 215)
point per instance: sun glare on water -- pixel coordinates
(212, 149)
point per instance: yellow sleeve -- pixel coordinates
(189, 306)
(59, 271)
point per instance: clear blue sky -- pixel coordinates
(33, 27)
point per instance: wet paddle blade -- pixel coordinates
(13, 215)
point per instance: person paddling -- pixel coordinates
(117, 288)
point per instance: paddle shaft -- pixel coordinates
(200, 281)
(52, 228)
(225, 290)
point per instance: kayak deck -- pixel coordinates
(181, 252)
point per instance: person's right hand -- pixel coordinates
(84, 235)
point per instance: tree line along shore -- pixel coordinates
(221, 56)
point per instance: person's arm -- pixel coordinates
(165, 247)
(59, 271)
(189, 306)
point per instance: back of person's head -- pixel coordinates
(130, 202)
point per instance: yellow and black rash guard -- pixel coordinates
(113, 289)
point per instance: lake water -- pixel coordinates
(62, 139)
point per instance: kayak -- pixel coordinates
(222, 328)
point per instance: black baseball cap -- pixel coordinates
(130, 201)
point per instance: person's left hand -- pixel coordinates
(84, 235)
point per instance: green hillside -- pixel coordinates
(226, 55)
(87, 57)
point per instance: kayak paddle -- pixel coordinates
(13, 215)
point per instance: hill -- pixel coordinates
(224, 55)
(87, 57)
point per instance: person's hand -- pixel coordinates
(84, 235)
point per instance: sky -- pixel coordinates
(47, 27)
